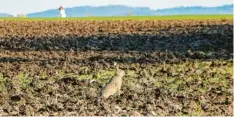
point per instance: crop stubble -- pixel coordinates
(173, 67)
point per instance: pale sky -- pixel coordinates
(28, 6)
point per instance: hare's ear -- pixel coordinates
(115, 63)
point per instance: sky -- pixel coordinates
(29, 6)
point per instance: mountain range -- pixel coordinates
(121, 10)
(4, 15)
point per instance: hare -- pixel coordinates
(114, 85)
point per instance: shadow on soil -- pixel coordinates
(199, 44)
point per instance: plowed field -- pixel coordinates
(173, 67)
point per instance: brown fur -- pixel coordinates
(114, 85)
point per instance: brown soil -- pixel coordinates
(177, 67)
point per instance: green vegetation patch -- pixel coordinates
(168, 17)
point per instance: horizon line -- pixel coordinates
(182, 6)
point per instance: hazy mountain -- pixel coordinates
(226, 9)
(4, 15)
(111, 10)
(121, 10)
